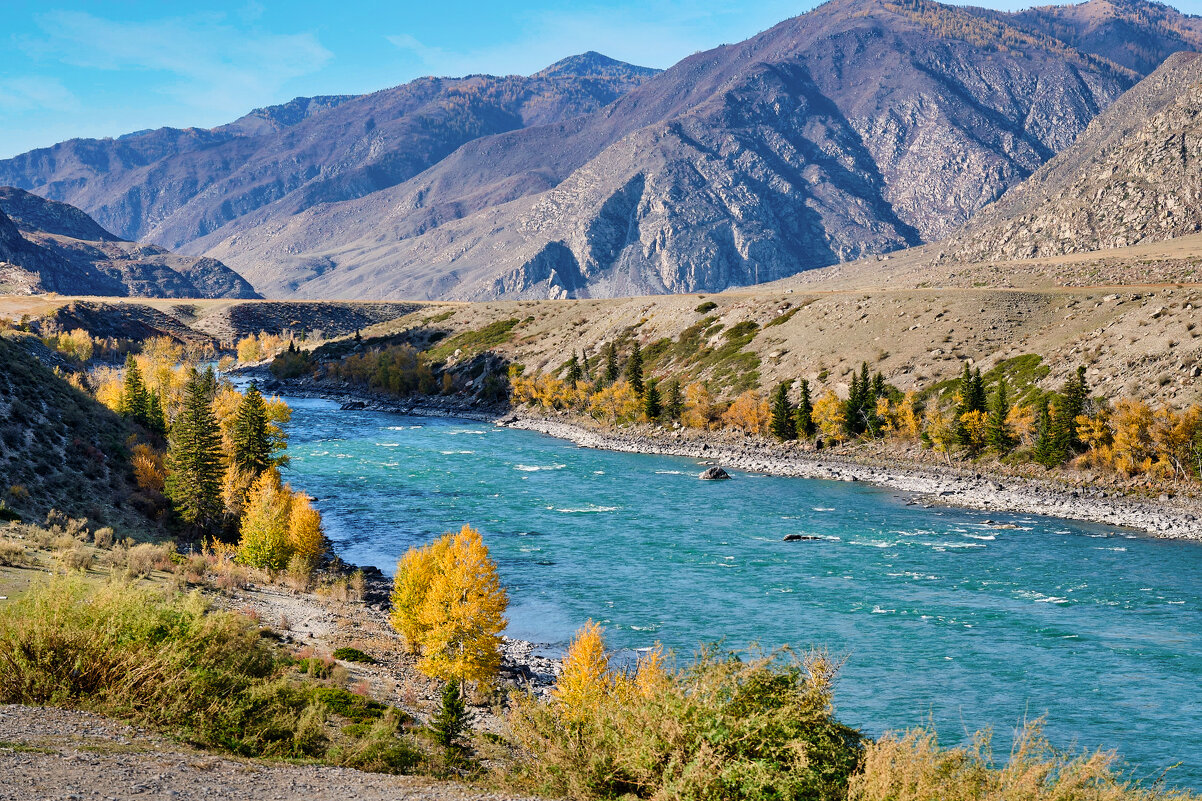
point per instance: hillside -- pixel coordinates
(171, 186)
(46, 246)
(859, 128)
(1135, 175)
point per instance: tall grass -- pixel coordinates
(172, 663)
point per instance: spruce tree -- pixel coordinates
(135, 401)
(250, 442)
(634, 369)
(997, 429)
(194, 459)
(1045, 443)
(574, 373)
(851, 408)
(208, 381)
(586, 372)
(652, 403)
(804, 414)
(611, 363)
(156, 419)
(450, 722)
(784, 427)
(1073, 396)
(674, 402)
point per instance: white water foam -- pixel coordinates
(534, 468)
(585, 510)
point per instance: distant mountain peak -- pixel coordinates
(592, 64)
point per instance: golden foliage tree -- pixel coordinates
(584, 680)
(700, 410)
(830, 416)
(750, 413)
(264, 541)
(615, 404)
(306, 538)
(449, 605)
(940, 426)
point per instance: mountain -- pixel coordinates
(171, 186)
(859, 128)
(46, 246)
(1134, 175)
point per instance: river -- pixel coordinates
(939, 615)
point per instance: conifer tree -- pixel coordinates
(784, 426)
(450, 722)
(156, 419)
(804, 414)
(574, 373)
(194, 459)
(1073, 396)
(250, 443)
(652, 405)
(209, 381)
(634, 369)
(135, 401)
(998, 430)
(1045, 443)
(611, 363)
(851, 407)
(674, 400)
(879, 390)
(586, 371)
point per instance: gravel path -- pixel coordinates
(48, 753)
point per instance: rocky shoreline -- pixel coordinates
(1169, 517)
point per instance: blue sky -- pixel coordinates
(91, 68)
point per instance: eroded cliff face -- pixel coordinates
(1134, 176)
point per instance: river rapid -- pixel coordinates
(964, 619)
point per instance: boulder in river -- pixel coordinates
(714, 474)
(800, 538)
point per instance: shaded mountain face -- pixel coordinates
(1134, 175)
(172, 186)
(861, 127)
(46, 246)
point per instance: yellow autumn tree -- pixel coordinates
(904, 417)
(1021, 420)
(615, 404)
(264, 534)
(831, 417)
(1131, 424)
(584, 680)
(249, 350)
(976, 429)
(306, 538)
(448, 602)
(940, 426)
(150, 472)
(700, 411)
(749, 412)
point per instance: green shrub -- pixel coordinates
(706, 307)
(171, 663)
(722, 729)
(353, 655)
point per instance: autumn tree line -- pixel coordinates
(970, 419)
(212, 453)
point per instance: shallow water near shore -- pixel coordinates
(940, 615)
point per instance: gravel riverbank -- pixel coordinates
(972, 487)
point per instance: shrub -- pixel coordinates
(353, 655)
(706, 307)
(724, 728)
(12, 553)
(172, 663)
(142, 560)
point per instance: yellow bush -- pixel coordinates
(585, 679)
(150, 472)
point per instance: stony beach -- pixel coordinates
(1165, 514)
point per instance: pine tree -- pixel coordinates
(156, 419)
(208, 380)
(804, 414)
(879, 388)
(250, 443)
(585, 370)
(450, 722)
(194, 459)
(1045, 443)
(784, 427)
(674, 403)
(634, 369)
(1071, 404)
(135, 400)
(998, 430)
(851, 407)
(574, 373)
(611, 363)
(652, 405)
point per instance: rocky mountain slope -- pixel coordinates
(1134, 175)
(862, 127)
(859, 128)
(171, 186)
(46, 246)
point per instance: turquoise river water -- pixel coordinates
(940, 616)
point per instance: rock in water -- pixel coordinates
(799, 537)
(714, 474)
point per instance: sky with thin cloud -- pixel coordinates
(92, 69)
